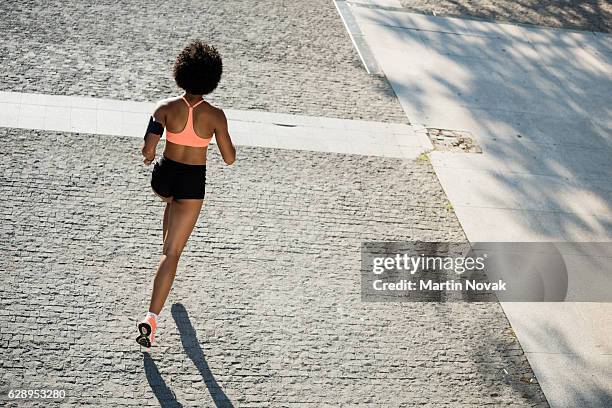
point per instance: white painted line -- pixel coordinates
(248, 128)
(362, 48)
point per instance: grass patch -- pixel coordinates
(423, 157)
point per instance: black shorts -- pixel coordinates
(179, 180)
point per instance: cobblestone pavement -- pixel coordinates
(280, 56)
(593, 15)
(265, 310)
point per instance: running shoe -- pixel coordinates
(146, 328)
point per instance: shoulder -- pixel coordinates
(165, 104)
(217, 113)
(163, 107)
(219, 120)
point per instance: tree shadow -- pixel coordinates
(194, 351)
(561, 379)
(551, 13)
(162, 392)
(593, 390)
(538, 101)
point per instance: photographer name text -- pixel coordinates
(431, 285)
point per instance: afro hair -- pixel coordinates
(198, 68)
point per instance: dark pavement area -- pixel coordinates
(591, 15)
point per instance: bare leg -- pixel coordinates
(168, 201)
(165, 223)
(182, 217)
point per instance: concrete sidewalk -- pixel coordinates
(539, 103)
(112, 117)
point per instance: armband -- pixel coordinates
(154, 127)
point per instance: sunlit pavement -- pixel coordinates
(538, 102)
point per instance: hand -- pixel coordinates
(148, 156)
(148, 161)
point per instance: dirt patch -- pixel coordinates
(453, 140)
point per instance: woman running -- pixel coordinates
(179, 176)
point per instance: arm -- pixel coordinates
(224, 142)
(154, 132)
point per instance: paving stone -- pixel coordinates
(278, 56)
(265, 310)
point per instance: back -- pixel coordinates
(188, 135)
(177, 118)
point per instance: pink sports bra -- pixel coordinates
(187, 136)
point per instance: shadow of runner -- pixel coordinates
(195, 353)
(164, 395)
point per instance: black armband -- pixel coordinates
(154, 127)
